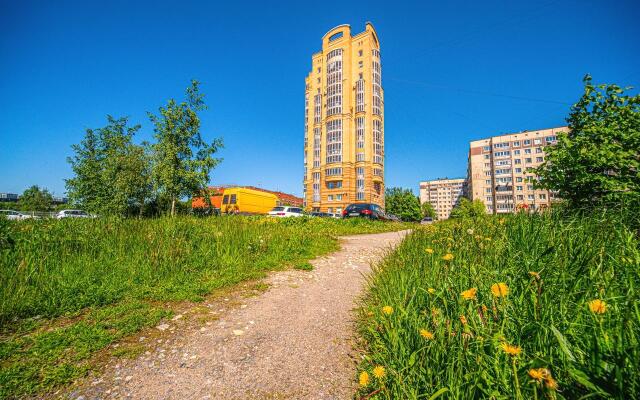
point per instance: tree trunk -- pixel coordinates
(173, 207)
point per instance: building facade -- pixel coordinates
(443, 194)
(344, 122)
(499, 170)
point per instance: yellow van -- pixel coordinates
(247, 201)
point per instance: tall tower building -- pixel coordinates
(344, 122)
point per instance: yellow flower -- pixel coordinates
(538, 374)
(448, 257)
(469, 294)
(379, 372)
(511, 349)
(502, 221)
(551, 383)
(364, 378)
(470, 231)
(429, 250)
(488, 239)
(597, 306)
(500, 289)
(534, 274)
(431, 290)
(463, 319)
(426, 334)
(387, 310)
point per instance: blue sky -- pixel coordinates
(452, 72)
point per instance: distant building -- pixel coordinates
(218, 191)
(344, 122)
(443, 194)
(8, 197)
(499, 170)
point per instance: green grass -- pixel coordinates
(71, 288)
(553, 266)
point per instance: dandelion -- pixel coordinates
(429, 250)
(550, 383)
(463, 319)
(426, 334)
(538, 374)
(597, 306)
(469, 294)
(431, 290)
(379, 372)
(387, 310)
(484, 308)
(488, 239)
(364, 378)
(534, 274)
(511, 349)
(470, 231)
(447, 257)
(500, 289)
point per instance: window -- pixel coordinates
(527, 142)
(330, 197)
(501, 145)
(518, 179)
(531, 197)
(317, 108)
(377, 84)
(334, 141)
(360, 95)
(537, 141)
(377, 172)
(517, 161)
(377, 141)
(487, 182)
(316, 147)
(516, 143)
(360, 132)
(487, 156)
(538, 150)
(334, 82)
(360, 183)
(360, 157)
(518, 170)
(519, 188)
(336, 36)
(542, 196)
(225, 199)
(516, 152)
(359, 53)
(233, 199)
(333, 171)
(503, 171)
(527, 151)
(486, 148)
(338, 197)
(527, 160)
(316, 187)
(550, 139)
(539, 159)
(334, 185)
(488, 190)
(501, 153)
(520, 197)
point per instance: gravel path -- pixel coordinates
(294, 341)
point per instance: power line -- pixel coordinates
(477, 92)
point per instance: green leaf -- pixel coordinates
(564, 344)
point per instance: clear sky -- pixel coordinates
(452, 71)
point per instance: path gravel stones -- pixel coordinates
(294, 341)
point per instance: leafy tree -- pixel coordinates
(403, 203)
(111, 172)
(35, 199)
(182, 160)
(598, 161)
(468, 209)
(428, 210)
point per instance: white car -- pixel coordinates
(285, 211)
(14, 215)
(73, 214)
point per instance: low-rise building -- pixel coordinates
(443, 194)
(499, 171)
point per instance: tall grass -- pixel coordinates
(511, 314)
(70, 288)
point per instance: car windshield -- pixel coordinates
(278, 209)
(357, 207)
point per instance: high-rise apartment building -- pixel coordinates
(443, 194)
(344, 122)
(499, 170)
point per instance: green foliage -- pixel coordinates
(553, 266)
(468, 209)
(69, 288)
(598, 161)
(428, 210)
(111, 173)
(402, 203)
(182, 160)
(35, 199)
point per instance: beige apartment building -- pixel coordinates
(344, 122)
(443, 194)
(499, 170)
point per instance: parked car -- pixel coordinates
(366, 210)
(426, 221)
(14, 215)
(247, 201)
(393, 217)
(73, 214)
(285, 211)
(321, 214)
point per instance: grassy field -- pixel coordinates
(522, 307)
(70, 288)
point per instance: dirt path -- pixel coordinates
(293, 341)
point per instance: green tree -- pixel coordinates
(111, 173)
(428, 210)
(468, 209)
(403, 203)
(598, 161)
(35, 199)
(182, 160)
